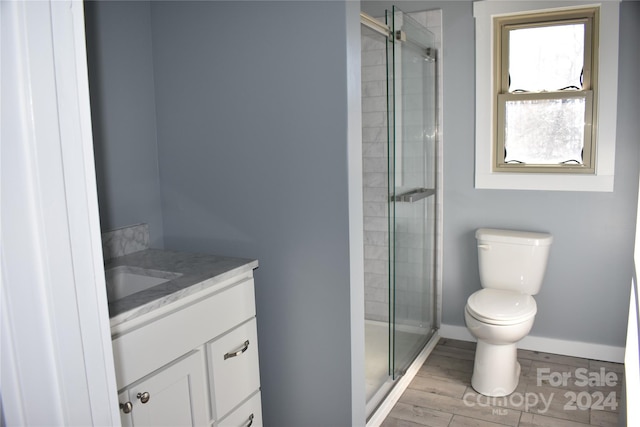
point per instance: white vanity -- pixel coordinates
(185, 344)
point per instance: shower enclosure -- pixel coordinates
(400, 122)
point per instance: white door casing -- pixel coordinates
(57, 364)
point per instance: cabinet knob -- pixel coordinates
(144, 397)
(126, 407)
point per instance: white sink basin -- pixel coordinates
(123, 281)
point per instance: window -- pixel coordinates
(544, 92)
(546, 95)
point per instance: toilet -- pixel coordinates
(512, 266)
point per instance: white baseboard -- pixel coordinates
(548, 345)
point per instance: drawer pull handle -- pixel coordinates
(231, 354)
(126, 407)
(144, 397)
(250, 420)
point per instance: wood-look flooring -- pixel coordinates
(441, 393)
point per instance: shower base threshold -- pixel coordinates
(380, 404)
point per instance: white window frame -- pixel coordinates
(603, 179)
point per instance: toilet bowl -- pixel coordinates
(512, 266)
(496, 369)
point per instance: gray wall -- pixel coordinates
(251, 134)
(123, 115)
(252, 130)
(585, 295)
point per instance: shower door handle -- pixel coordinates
(414, 195)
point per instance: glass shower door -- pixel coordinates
(412, 183)
(375, 99)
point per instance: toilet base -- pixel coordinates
(496, 370)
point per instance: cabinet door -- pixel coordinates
(175, 395)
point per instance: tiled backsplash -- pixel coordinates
(125, 240)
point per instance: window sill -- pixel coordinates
(547, 182)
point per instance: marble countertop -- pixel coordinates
(197, 272)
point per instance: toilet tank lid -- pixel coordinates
(514, 237)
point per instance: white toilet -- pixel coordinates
(512, 266)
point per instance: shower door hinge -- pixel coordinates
(401, 36)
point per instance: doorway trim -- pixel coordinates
(57, 364)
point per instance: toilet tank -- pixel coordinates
(512, 260)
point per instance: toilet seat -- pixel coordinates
(500, 307)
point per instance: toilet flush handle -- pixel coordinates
(485, 247)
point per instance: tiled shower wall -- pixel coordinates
(375, 166)
(375, 163)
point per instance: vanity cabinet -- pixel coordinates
(193, 361)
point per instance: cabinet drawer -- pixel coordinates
(233, 363)
(247, 414)
(151, 346)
